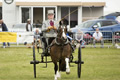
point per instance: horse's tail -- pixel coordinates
(62, 65)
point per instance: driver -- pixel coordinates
(48, 28)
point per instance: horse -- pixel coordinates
(60, 51)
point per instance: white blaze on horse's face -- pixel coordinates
(63, 33)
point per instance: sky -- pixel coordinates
(112, 6)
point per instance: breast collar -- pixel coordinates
(66, 42)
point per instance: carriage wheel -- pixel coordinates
(79, 62)
(71, 57)
(34, 59)
(38, 49)
(46, 61)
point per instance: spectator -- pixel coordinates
(4, 28)
(28, 25)
(98, 37)
(79, 38)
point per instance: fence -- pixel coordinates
(16, 39)
(109, 38)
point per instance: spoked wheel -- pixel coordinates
(79, 62)
(34, 60)
(71, 57)
(38, 49)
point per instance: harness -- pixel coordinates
(59, 44)
(59, 41)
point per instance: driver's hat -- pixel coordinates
(50, 12)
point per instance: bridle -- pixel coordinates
(61, 38)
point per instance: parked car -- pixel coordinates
(18, 28)
(113, 16)
(22, 28)
(106, 26)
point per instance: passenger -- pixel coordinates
(37, 40)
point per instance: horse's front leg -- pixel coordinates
(57, 74)
(67, 66)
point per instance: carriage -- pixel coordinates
(79, 61)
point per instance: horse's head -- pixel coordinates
(62, 30)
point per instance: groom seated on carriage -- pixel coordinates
(37, 36)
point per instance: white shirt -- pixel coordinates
(97, 35)
(29, 27)
(79, 36)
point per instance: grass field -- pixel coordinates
(99, 64)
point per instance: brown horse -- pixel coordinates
(60, 51)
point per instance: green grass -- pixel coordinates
(99, 64)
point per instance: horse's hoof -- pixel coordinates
(58, 75)
(67, 71)
(55, 78)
